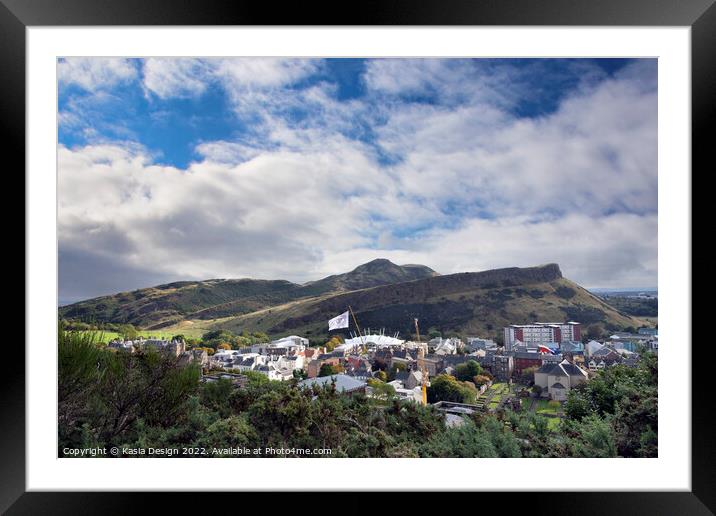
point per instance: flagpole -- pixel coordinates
(357, 327)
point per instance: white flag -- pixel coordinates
(338, 322)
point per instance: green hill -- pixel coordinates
(164, 305)
(381, 293)
(479, 303)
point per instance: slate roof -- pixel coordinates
(528, 355)
(344, 383)
(456, 359)
(564, 368)
(402, 376)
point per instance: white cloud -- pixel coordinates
(597, 153)
(260, 218)
(176, 77)
(608, 251)
(265, 71)
(470, 186)
(94, 73)
(187, 77)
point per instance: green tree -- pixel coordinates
(466, 371)
(103, 394)
(593, 436)
(128, 331)
(381, 390)
(213, 338)
(329, 370)
(447, 388)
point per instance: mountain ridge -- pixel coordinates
(381, 293)
(219, 297)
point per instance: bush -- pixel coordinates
(447, 388)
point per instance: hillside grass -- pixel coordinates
(108, 336)
(488, 311)
(459, 304)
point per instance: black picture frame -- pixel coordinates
(700, 15)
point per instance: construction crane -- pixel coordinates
(424, 381)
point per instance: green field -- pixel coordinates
(499, 388)
(107, 336)
(547, 407)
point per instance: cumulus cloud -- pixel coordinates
(186, 77)
(462, 182)
(176, 77)
(272, 215)
(625, 253)
(94, 73)
(597, 153)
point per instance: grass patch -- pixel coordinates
(107, 336)
(547, 407)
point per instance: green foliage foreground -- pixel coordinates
(144, 400)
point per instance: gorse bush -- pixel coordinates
(148, 399)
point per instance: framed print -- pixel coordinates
(435, 238)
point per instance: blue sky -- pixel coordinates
(298, 168)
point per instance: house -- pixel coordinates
(292, 341)
(526, 359)
(653, 344)
(476, 343)
(441, 346)
(572, 346)
(432, 364)
(591, 347)
(502, 367)
(608, 356)
(199, 356)
(557, 379)
(632, 341)
(499, 366)
(314, 367)
(122, 345)
(173, 347)
(407, 379)
(358, 367)
(632, 360)
(382, 358)
(403, 357)
(627, 345)
(224, 358)
(415, 379)
(452, 361)
(416, 347)
(312, 353)
(343, 383)
(271, 371)
(245, 362)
